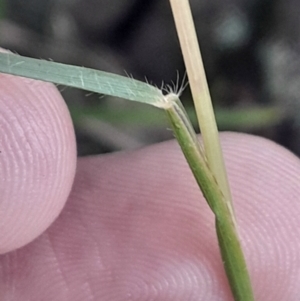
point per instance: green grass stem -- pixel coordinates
(221, 205)
(231, 250)
(201, 96)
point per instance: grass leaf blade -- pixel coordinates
(82, 78)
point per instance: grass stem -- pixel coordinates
(230, 247)
(201, 96)
(220, 200)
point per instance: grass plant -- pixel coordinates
(206, 162)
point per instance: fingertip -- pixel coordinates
(37, 159)
(264, 179)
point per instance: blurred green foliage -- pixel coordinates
(254, 117)
(2, 9)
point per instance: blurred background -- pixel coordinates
(250, 48)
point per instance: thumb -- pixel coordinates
(37, 159)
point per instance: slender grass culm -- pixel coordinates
(206, 164)
(221, 205)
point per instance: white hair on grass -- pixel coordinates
(173, 91)
(176, 88)
(59, 87)
(169, 92)
(129, 75)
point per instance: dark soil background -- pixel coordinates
(251, 51)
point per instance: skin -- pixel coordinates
(135, 226)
